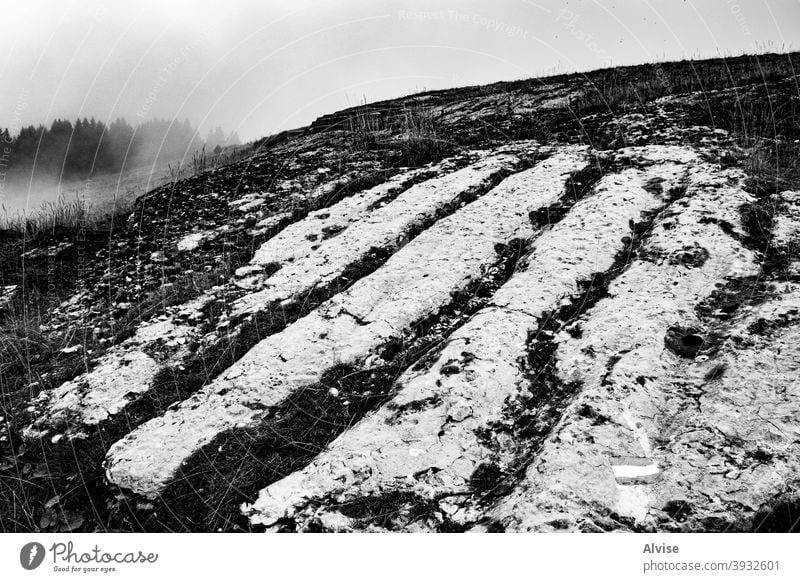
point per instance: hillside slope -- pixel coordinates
(567, 303)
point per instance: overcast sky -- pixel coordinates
(261, 66)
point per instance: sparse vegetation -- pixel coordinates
(624, 89)
(410, 137)
(203, 162)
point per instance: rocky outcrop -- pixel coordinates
(348, 329)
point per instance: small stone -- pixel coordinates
(459, 412)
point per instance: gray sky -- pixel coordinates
(260, 66)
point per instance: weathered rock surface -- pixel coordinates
(417, 281)
(692, 415)
(103, 392)
(427, 440)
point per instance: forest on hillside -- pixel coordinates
(87, 147)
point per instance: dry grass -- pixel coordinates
(412, 137)
(60, 217)
(621, 89)
(754, 98)
(203, 162)
(41, 256)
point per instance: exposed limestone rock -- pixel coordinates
(93, 396)
(427, 439)
(787, 220)
(303, 238)
(635, 392)
(417, 281)
(387, 227)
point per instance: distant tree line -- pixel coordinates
(87, 147)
